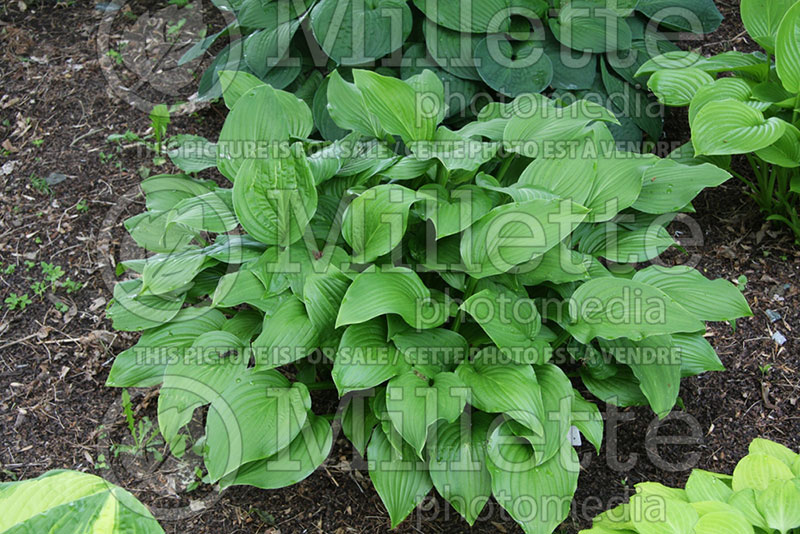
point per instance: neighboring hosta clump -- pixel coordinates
(478, 48)
(443, 281)
(755, 111)
(762, 496)
(71, 502)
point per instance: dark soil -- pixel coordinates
(55, 411)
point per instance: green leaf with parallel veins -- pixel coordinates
(786, 150)
(762, 18)
(265, 49)
(730, 522)
(192, 153)
(358, 420)
(603, 307)
(583, 26)
(517, 479)
(238, 288)
(287, 336)
(776, 450)
(289, 466)
(381, 292)
(452, 50)
(669, 186)
(348, 109)
(355, 33)
(236, 83)
(731, 127)
(252, 419)
(69, 501)
(170, 272)
(516, 233)
(677, 87)
(323, 294)
(722, 89)
(513, 323)
(131, 311)
(211, 212)
(587, 418)
(708, 300)
(504, 388)
(635, 246)
(780, 505)
(559, 265)
(568, 178)
(398, 106)
(376, 221)
(697, 354)
(457, 464)
(151, 232)
(162, 192)
(454, 151)
(660, 515)
(275, 198)
(513, 68)
(214, 361)
(757, 471)
(620, 389)
(414, 405)
(365, 359)
(401, 480)
(432, 351)
(478, 16)
(683, 15)
(703, 486)
(451, 212)
(557, 397)
(787, 50)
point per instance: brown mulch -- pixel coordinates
(55, 411)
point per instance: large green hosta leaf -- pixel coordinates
(731, 127)
(69, 501)
(669, 186)
(380, 292)
(787, 50)
(697, 16)
(401, 479)
(762, 18)
(584, 26)
(677, 87)
(133, 311)
(479, 16)
(276, 197)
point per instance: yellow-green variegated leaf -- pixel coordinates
(677, 87)
(69, 501)
(731, 127)
(787, 50)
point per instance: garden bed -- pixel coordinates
(64, 193)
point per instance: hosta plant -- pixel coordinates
(67, 502)
(454, 287)
(761, 497)
(479, 49)
(755, 111)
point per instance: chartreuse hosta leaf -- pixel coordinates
(761, 496)
(762, 18)
(787, 50)
(400, 478)
(69, 501)
(731, 127)
(348, 109)
(677, 87)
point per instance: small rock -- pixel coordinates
(55, 178)
(778, 338)
(773, 315)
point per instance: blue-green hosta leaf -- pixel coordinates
(197, 377)
(451, 212)
(260, 120)
(413, 405)
(400, 108)
(457, 464)
(730, 522)
(785, 152)
(400, 479)
(754, 64)
(516, 233)
(655, 364)
(131, 311)
(143, 364)
(375, 222)
(151, 232)
(612, 308)
(780, 505)
(479, 16)
(527, 490)
(669, 186)
(252, 419)
(587, 418)
(696, 16)
(572, 70)
(708, 300)
(662, 515)
(210, 212)
(69, 501)
(787, 50)
(697, 354)
(587, 27)
(677, 87)
(513, 323)
(453, 51)
(165, 273)
(287, 336)
(762, 18)
(276, 197)
(723, 89)
(356, 33)
(365, 359)
(731, 127)
(381, 292)
(348, 109)
(499, 387)
(757, 471)
(513, 68)
(703, 486)
(288, 466)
